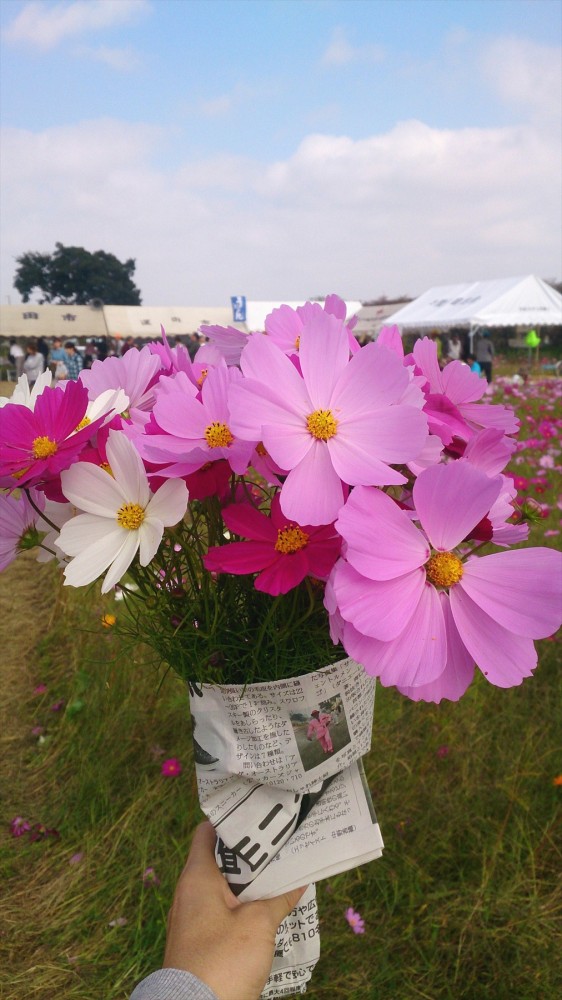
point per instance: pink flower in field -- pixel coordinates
(76, 858)
(19, 826)
(57, 705)
(36, 445)
(355, 920)
(41, 832)
(419, 616)
(37, 730)
(228, 340)
(453, 397)
(149, 877)
(40, 689)
(443, 752)
(340, 422)
(171, 767)
(282, 552)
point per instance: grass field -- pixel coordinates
(466, 901)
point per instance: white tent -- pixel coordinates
(502, 302)
(257, 311)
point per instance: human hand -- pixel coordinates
(227, 944)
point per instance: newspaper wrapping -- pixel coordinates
(280, 777)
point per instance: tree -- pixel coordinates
(74, 276)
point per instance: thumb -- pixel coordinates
(280, 906)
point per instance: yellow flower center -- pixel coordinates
(43, 447)
(218, 435)
(83, 423)
(322, 424)
(291, 539)
(202, 376)
(108, 620)
(130, 516)
(298, 343)
(261, 449)
(106, 468)
(444, 569)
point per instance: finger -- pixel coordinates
(280, 906)
(201, 859)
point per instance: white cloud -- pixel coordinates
(525, 74)
(123, 60)
(395, 212)
(340, 51)
(45, 25)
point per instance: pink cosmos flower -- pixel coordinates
(355, 920)
(40, 689)
(229, 341)
(38, 444)
(340, 422)
(149, 877)
(195, 429)
(282, 552)
(418, 615)
(453, 398)
(17, 525)
(19, 826)
(171, 767)
(136, 373)
(284, 324)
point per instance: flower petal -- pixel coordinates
(312, 492)
(504, 658)
(381, 609)
(169, 503)
(94, 558)
(451, 500)
(458, 672)
(122, 561)
(521, 589)
(417, 656)
(127, 468)
(324, 355)
(375, 377)
(93, 490)
(243, 519)
(382, 542)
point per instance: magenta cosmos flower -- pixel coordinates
(38, 444)
(417, 613)
(341, 422)
(282, 552)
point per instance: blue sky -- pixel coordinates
(284, 148)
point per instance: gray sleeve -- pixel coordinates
(172, 984)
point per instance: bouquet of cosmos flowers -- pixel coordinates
(284, 492)
(285, 499)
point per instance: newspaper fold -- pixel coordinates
(280, 776)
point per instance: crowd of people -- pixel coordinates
(67, 359)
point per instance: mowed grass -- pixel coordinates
(466, 901)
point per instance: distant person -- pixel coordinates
(102, 348)
(485, 354)
(127, 345)
(44, 349)
(74, 363)
(318, 728)
(473, 364)
(34, 362)
(454, 348)
(90, 353)
(57, 358)
(16, 356)
(434, 335)
(193, 345)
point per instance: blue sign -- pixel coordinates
(238, 308)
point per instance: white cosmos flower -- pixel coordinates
(23, 395)
(121, 515)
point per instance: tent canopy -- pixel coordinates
(502, 302)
